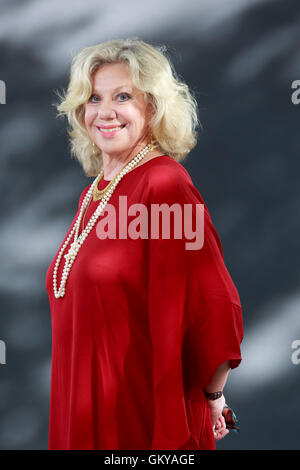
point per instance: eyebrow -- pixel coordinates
(118, 88)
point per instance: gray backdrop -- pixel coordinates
(240, 57)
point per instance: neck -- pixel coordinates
(113, 163)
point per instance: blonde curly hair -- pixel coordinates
(175, 119)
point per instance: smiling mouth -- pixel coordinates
(111, 129)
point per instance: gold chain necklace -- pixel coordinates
(99, 193)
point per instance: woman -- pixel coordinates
(144, 330)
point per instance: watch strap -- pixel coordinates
(213, 396)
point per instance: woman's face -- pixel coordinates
(116, 103)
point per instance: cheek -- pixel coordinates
(135, 116)
(85, 117)
(88, 117)
(138, 122)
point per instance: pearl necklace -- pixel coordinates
(78, 240)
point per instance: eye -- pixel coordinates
(126, 96)
(91, 98)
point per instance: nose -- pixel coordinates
(106, 110)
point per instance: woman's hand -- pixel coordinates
(218, 421)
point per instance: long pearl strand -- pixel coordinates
(78, 240)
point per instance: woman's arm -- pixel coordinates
(219, 378)
(216, 406)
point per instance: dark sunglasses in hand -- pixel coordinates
(231, 420)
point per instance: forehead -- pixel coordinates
(110, 76)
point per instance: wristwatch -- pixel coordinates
(213, 396)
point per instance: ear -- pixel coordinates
(150, 110)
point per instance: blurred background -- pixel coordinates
(240, 58)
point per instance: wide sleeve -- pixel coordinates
(195, 315)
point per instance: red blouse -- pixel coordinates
(141, 329)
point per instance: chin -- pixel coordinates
(113, 148)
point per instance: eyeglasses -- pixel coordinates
(231, 420)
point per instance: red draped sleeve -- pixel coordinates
(195, 315)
